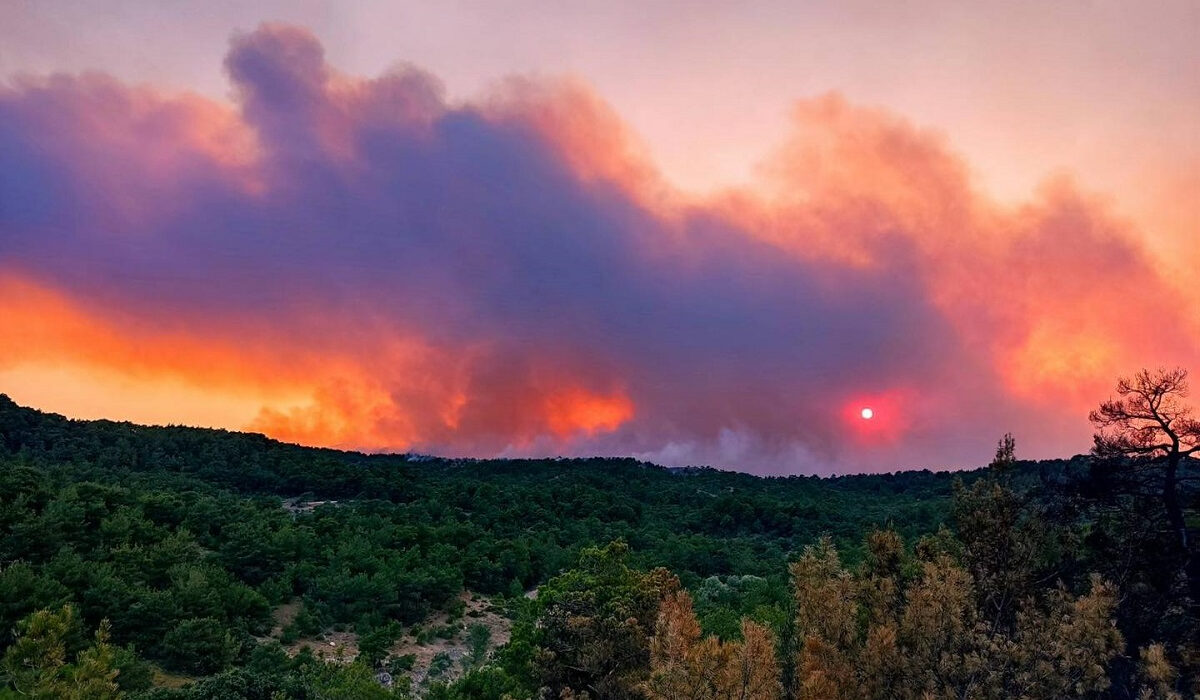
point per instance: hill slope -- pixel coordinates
(184, 536)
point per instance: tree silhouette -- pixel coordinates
(1151, 425)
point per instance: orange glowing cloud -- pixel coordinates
(399, 396)
(53, 349)
(575, 410)
(44, 327)
(592, 139)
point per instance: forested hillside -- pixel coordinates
(205, 561)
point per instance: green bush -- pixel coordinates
(199, 646)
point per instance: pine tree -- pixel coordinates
(36, 663)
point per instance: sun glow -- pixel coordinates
(867, 414)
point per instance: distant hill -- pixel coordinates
(624, 493)
(254, 463)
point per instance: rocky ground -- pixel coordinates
(437, 646)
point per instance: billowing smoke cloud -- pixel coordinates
(382, 269)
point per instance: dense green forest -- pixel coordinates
(178, 563)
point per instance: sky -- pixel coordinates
(696, 233)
